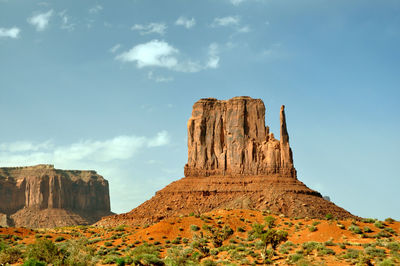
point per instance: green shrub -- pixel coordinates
(375, 252)
(329, 216)
(367, 229)
(295, 258)
(59, 239)
(355, 229)
(312, 228)
(194, 228)
(389, 220)
(34, 262)
(78, 252)
(10, 255)
(241, 229)
(44, 250)
(379, 224)
(368, 220)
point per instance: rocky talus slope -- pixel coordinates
(233, 162)
(42, 196)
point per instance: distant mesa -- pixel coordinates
(42, 196)
(234, 161)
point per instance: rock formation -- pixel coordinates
(41, 196)
(233, 162)
(230, 138)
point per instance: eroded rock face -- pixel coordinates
(230, 138)
(27, 191)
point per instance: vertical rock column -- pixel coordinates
(230, 138)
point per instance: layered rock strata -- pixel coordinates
(42, 196)
(230, 138)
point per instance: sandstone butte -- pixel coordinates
(42, 196)
(233, 162)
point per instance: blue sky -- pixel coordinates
(109, 85)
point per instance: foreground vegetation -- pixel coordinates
(223, 237)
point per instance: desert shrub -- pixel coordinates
(387, 262)
(367, 229)
(241, 229)
(194, 228)
(312, 228)
(147, 259)
(368, 220)
(180, 256)
(108, 244)
(389, 220)
(393, 246)
(329, 216)
(34, 262)
(59, 239)
(375, 252)
(270, 221)
(44, 250)
(295, 258)
(10, 255)
(120, 228)
(379, 224)
(77, 252)
(355, 229)
(352, 254)
(209, 263)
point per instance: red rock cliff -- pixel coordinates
(73, 197)
(230, 138)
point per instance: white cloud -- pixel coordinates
(95, 9)
(161, 139)
(213, 60)
(12, 33)
(115, 48)
(154, 53)
(150, 28)
(23, 146)
(187, 23)
(226, 21)
(161, 54)
(41, 21)
(86, 151)
(244, 29)
(236, 2)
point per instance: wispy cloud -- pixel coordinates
(41, 20)
(231, 21)
(158, 28)
(115, 48)
(226, 21)
(213, 60)
(95, 9)
(12, 33)
(90, 151)
(66, 23)
(158, 78)
(187, 23)
(161, 54)
(236, 2)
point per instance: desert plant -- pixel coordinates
(44, 250)
(194, 228)
(33, 262)
(10, 255)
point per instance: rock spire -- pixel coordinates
(229, 137)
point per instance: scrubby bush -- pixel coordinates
(10, 255)
(355, 229)
(44, 250)
(194, 228)
(34, 262)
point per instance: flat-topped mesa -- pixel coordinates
(230, 138)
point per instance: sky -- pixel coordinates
(109, 86)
